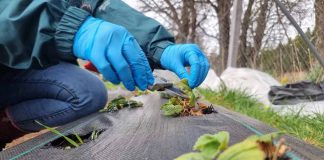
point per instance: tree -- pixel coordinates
(185, 18)
(222, 9)
(181, 15)
(319, 26)
(263, 25)
(243, 55)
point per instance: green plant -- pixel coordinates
(119, 103)
(179, 106)
(79, 138)
(184, 86)
(172, 107)
(94, 134)
(71, 141)
(255, 147)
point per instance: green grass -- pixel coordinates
(71, 141)
(307, 128)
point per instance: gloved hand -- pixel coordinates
(114, 52)
(176, 57)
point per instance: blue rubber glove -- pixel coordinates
(176, 57)
(114, 52)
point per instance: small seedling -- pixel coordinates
(94, 134)
(177, 106)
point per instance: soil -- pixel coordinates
(25, 138)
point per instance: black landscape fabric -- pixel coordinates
(297, 93)
(145, 134)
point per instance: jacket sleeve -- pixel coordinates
(151, 35)
(37, 33)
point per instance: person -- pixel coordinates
(41, 40)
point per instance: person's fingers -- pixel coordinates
(109, 74)
(121, 67)
(181, 72)
(104, 67)
(204, 69)
(201, 72)
(149, 73)
(193, 60)
(137, 61)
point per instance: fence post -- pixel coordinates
(235, 33)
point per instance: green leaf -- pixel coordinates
(93, 135)
(184, 86)
(205, 140)
(119, 103)
(79, 138)
(134, 104)
(269, 137)
(211, 145)
(71, 141)
(171, 110)
(248, 149)
(192, 156)
(223, 137)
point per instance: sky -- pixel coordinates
(308, 22)
(134, 4)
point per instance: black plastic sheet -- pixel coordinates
(297, 93)
(144, 133)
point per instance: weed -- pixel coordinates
(71, 141)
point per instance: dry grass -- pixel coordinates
(292, 77)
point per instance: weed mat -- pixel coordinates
(144, 133)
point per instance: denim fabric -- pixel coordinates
(54, 96)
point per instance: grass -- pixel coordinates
(307, 128)
(71, 141)
(316, 74)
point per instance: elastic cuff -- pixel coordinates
(157, 53)
(66, 30)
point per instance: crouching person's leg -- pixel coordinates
(54, 96)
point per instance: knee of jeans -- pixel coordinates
(91, 97)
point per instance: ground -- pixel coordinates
(25, 138)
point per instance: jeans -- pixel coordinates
(54, 96)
